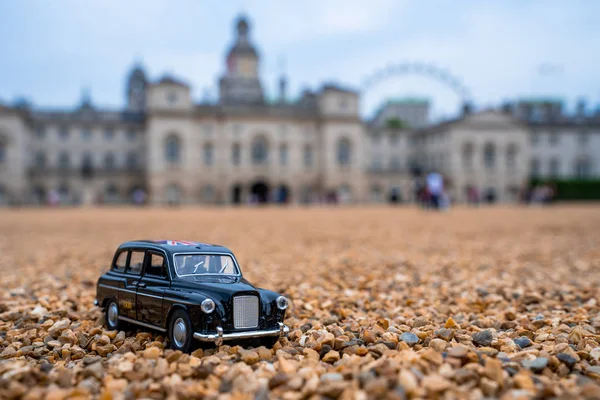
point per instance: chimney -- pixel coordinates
(282, 89)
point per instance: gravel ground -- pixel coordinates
(385, 303)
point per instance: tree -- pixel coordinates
(395, 124)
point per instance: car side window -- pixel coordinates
(121, 262)
(136, 261)
(156, 266)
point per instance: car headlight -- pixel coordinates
(282, 303)
(207, 306)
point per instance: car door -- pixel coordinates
(151, 289)
(127, 294)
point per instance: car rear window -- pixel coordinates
(135, 262)
(121, 262)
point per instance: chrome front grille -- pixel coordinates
(245, 312)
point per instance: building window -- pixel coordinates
(535, 138)
(40, 132)
(395, 163)
(553, 138)
(172, 98)
(582, 138)
(583, 168)
(489, 156)
(87, 165)
(344, 152)
(132, 160)
(40, 160)
(63, 160)
(109, 133)
(554, 167)
(308, 156)
(260, 151)
(535, 167)
(173, 150)
(63, 133)
(394, 139)
(511, 156)
(109, 161)
(236, 154)
(86, 133)
(283, 154)
(467, 155)
(208, 154)
(2, 152)
(131, 134)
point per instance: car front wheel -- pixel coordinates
(180, 331)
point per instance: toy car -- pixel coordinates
(189, 290)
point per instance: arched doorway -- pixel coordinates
(490, 195)
(395, 195)
(283, 194)
(236, 194)
(259, 192)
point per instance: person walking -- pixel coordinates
(435, 187)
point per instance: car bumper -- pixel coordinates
(219, 337)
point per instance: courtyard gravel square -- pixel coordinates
(491, 302)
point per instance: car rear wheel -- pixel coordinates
(112, 316)
(180, 331)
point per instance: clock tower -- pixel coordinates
(240, 84)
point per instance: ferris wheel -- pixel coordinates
(426, 70)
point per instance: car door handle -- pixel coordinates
(141, 284)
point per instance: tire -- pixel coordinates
(269, 342)
(111, 315)
(181, 331)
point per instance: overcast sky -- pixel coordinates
(50, 50)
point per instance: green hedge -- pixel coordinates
(572, 189)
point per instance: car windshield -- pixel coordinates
(205, 264)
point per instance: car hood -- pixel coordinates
(217, 288)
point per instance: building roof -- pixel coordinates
(171, 80)
(336, 87)
(87, 116)
(540, 100)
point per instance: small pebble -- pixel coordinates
(409, 338)
(483, 338)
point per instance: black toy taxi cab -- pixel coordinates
(189, 290)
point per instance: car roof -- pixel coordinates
(178, 246)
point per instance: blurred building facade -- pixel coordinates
(316, 148)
